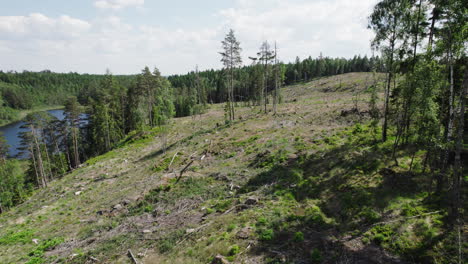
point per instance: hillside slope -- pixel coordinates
(304, 186)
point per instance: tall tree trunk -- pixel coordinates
(75, 147)
(407, 111)
(58, 151)
(31, 150)
(107, 130)
(387, 91)
(431, 31)
(449, 134)
(275, 97)
(48, 159)
(40, 163)
(458, 170)
(232, 94)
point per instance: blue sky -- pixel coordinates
(90, 36)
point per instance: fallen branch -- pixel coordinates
(169, 167)
(132, 257)
(236, 206)
(183, 170)
(194, 231)
(405, 218)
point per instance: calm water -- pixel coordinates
(11, 132)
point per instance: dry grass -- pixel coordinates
(91, 227)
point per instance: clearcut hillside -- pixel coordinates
(307, 185)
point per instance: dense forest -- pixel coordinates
(27, 90)
(423, 109)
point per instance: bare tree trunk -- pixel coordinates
(40, 164)
(75, 147)
(451, 117)
(407, 114)
(265, 84)
(48, 160)
(31, 150)
(431, 31)
(458, 170)
(387, 97)
(107, 131)
(275, 96)
(232, 95)
(451, 98)
(67, 150)
(58, 151)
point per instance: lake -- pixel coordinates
(11, 132)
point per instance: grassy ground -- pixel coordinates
(308, 185)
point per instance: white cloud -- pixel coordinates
(117, 4)
(301, 27)
(39, 26)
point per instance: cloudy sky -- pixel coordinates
(90, 36)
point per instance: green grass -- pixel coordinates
(21, 236)
(316, 176)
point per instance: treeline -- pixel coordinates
(423, 44)
(211, 86)
(23, 90)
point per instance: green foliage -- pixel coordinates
(262, 221)
(247, 142)
(164, 164)
(7, 114)
(223, 205)
(369, 215)
(298, 236)
(316, 256)
(13, 189)
(266, 234)
(268, 160)
(17, 237)
(381, 234)
(234, 250)
(36, 256)
(412, 209)
(46, 245)
(316, 217)
(231, 227)
(168, 242)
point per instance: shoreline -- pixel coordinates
(23, 113)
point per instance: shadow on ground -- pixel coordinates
(351, 186)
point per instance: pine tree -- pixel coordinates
(72, 119)
(231, 59)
